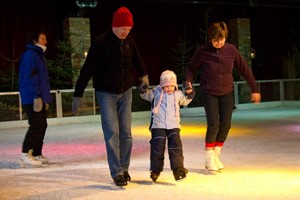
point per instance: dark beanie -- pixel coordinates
(122, 17)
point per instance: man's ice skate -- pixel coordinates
(28, 160)
(180, 173)
(42, 158)
(120, 181)
(127, 176)
(154, 176)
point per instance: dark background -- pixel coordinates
(157, 26)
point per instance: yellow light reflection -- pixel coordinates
(191, 130)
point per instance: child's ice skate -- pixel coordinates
(180, 173)
(154, 176)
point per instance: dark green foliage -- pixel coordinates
(183, 53)
(60, 69)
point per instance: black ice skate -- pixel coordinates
(127, 176)
(154, 175)
(120, 181)
(180, 173)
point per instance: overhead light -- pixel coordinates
(86, 3)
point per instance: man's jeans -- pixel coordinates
(115, 111)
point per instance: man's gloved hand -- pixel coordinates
(144, 85)
(77, 101)
(37, 104)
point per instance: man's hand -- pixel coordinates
(144, 85)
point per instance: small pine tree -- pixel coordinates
(60, 69)
(183, 53)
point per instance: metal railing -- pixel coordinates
(271, 90)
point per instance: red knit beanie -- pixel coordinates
(122, 17)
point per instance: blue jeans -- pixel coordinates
(115, 112)
(218, 111)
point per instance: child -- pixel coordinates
(165, 123)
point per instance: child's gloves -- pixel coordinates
(187, 87)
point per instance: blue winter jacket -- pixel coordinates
(168, 115)
(33, 76)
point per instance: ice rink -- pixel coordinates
(261, 160)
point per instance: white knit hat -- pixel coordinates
(168, 78)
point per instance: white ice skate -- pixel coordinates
(28, 160)
(217, 158)
(42, 158)
(210, 162)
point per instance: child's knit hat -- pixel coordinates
(168, 78)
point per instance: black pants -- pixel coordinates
(218, 111)
(158, 143)
(34, 138)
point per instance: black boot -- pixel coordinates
(180, 173)
(127, 176)
(120, 180)
(154, 175)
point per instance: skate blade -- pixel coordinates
(25, 165)
(211, 171)
(120, 187)
(179, 180)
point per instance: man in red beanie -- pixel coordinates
(110, 61)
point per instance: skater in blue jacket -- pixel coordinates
(35, 95)
(165, 125)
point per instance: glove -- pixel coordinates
(187, 87)
(46, 106)
(144, 85)
(37, 104)
(77, 101)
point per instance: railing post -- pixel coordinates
(281, 85)
(59, 112)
